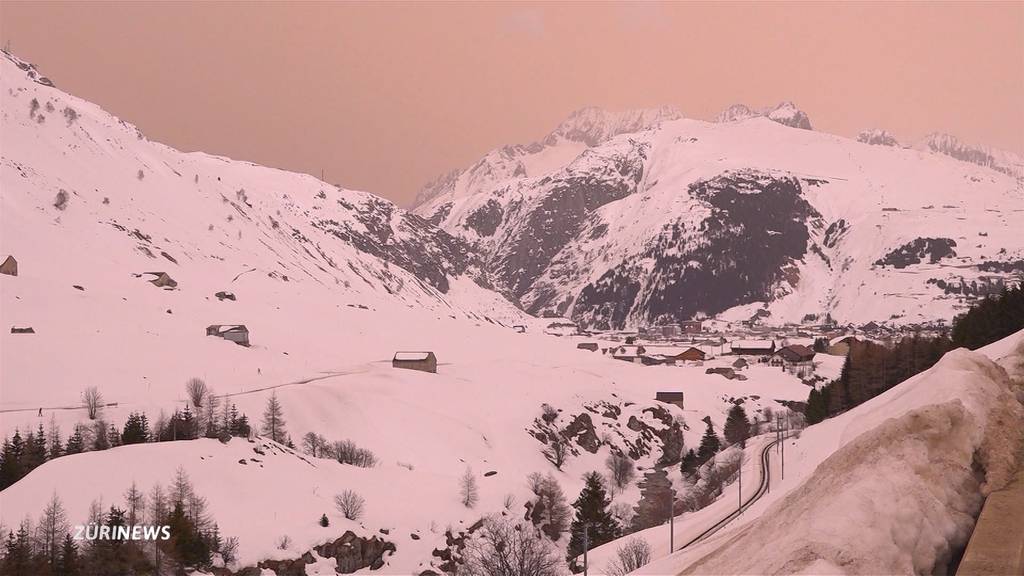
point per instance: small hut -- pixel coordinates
(422, 361)
(670, 398)
(161, 280)
(519, 328)
(592, 346)
(9, 267)
(236, 333)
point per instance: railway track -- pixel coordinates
(762, 489)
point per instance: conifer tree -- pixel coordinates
(100, 439)
(737, 426)
(187, 547)
(468, 490)
(56, 448)
(136, 429)
(11, 464)
(709, 444)
(817, 409)
(689, 465)
(17, 560)
(113, 437)
(35, 450)
(53, 525)
(273, 420)
(76, 444)
(593, 509)
(68, 563)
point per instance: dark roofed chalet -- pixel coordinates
(795, 354)
(753, 347)
(422, 361)
(692, 354)
(236, 333)
(669, 398)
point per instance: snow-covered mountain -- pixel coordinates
(739, 217)
(785, 113)
(330, 284)
(998, 160)
(130, 204)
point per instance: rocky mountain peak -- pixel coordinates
(785, 113)
(593, 125)
(877, 137)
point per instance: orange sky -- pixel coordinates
(385, 96)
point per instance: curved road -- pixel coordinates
(762, 489)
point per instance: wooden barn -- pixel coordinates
(236, 333)
(692, 326)
(795, 354)
(753, 347)
(422, 361)
(9, 267)
(691, 354)
(670, 398)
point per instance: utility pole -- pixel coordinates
(672, 520)
(586, 544)
(741, 485)
(783, 443)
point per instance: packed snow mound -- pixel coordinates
(900, 481)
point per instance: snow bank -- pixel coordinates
(890, 487)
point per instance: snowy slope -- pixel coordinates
(329, 293)
(889, 487)
(687, 218)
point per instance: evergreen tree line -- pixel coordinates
(872, 368)
(49, 548)
(22, 454)
(990, 319)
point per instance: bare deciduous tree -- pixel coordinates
(505, 548)
(629, 557)
(350, 504)
(621, 469)
(229, 550)
(92, 400)
(314, 444)
(558, 451)
(197, 392)
(346, 452)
